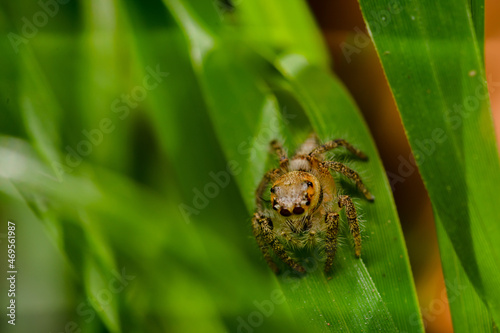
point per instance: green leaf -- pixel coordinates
(283, 26)
(41, 115)
(477, 14)
(104, 223)
(433, 62)
(469, 313)
(246, 115)
(41, 130)
(330, 108)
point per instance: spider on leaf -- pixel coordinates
(304, 203)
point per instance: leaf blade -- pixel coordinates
(319, 92)
(433, 62)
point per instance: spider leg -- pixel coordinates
(271, 175)
(338, 143)
(271, 240)
(341, 168)
(352, 217)
(281, 153)
(332, 230)
(264, 247)
(259, 193)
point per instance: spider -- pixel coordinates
(304, 203)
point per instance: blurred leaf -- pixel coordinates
(433, 62)
(43, 131)
(107, 84)
(103, 222)
(41, 114)
(283, 26)
(177, 105)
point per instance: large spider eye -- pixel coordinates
(272, 189)
(309, 184)
(298, 210)
(285, 212)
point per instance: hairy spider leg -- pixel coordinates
(332, 230)
(264, 247)
(352, 217)
(346, 171)
(281, 153)
(271, 240)
(338, 143)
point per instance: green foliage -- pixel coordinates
(436, 74)
(244, 105)
(178, 101)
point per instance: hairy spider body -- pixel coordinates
(304, 203)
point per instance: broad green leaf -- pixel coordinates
(348, 301)
(477, 15)
(331, 110)
(246, 116)
(433, 62)
(469, 313)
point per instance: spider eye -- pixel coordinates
(272, 189)
(298, 210)
(285, 212)
(308, 203)
(310, 184)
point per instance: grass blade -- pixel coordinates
(330, 109)
(442, 97)
(469, 313)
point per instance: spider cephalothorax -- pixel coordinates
(304, 204)
(294, 193)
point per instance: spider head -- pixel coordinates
(295, 193)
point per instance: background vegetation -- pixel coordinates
(134, 134)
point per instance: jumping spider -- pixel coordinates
(304, 203)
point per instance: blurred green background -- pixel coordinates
(105, 136)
